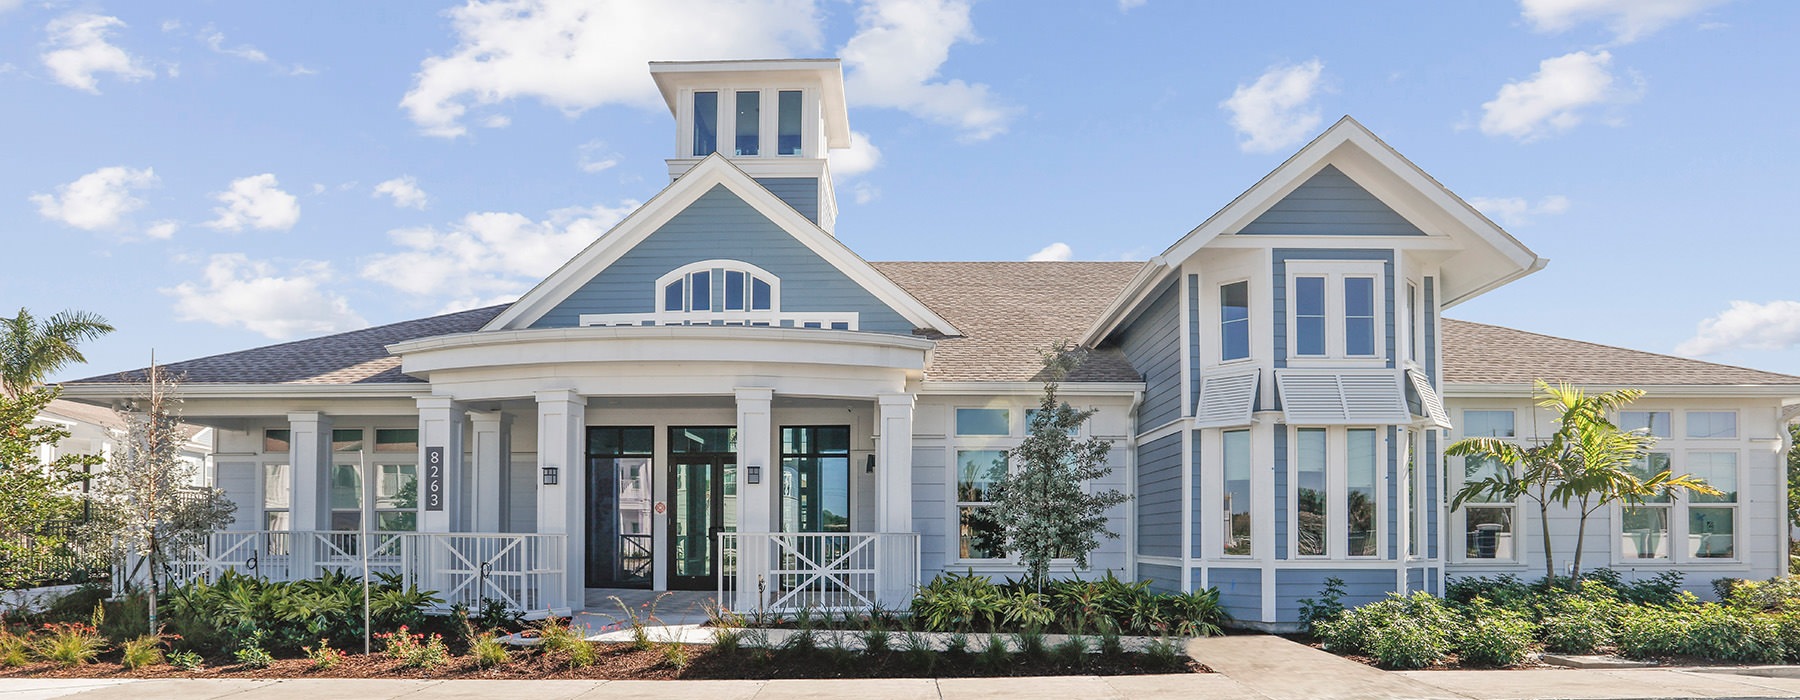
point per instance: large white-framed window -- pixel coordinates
(1234, 321)
(976, 472)
(1335, 488)
(705, 121)
(982, 436)
(1711, 523)
(1236, 488)
(748, 122)
(396, 477)
(1335, 310)
(1687, 528)
(1489, 524)
(1644, 528)
(1410, 440)
(1711, 425)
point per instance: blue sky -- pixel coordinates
(216, 176)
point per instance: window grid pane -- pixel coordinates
(1359, 470)
(788, 123)
(1309, 316)
(1489, 533)
(1237, 493)
(1654, 422)
(706, 123)
(749, 123)
(1234, 321)
(1359, 316)
(1711, 424)
(1712, 533)
(1720, 471)
(1312, 513)
(1644, 532)
(1497, 424)
(983, 421)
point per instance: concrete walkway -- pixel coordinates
(1278, 669)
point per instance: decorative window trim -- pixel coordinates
(768, 124)
(772, 317)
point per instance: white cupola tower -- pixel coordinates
(775, 119)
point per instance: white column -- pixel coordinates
(755, 500)
(493, 447)
(561, 419)
(893, 464)
(441, 426)
(309, 459)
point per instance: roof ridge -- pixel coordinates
(1621, 348)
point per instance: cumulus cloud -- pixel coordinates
(488, 255)
(1554, 99)
(1628, 20)
(404, 190)
(1516, 211)
(258, 202)
(97, 200)
(1747, 326)
(594, 157)
(162, 230)
(236, 291)
(894, 60)
(861, 157)
(574, 55)
(1055, 252)
(80, 50)
(1276, 111)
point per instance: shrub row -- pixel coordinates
(954, 602)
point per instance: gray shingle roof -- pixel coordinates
(1477, 353)
(356, 357)
(1009, 311)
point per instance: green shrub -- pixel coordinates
(323, 656)
(1410, 643)
(186, 660)
(1713, 632)
(555, 635)
(13, 649)
(1196, 614)
(488, 650)
(675, 655)
(253, 657)
(68, 643)
(146, 650)
(1505, 590)
(1491, 636)
(1773, 595)
(954, 602)
(1026, 610)
(1400, 632)
(582, 654)
(1579, 624)
(994, 655)
(1327, 607)
(414, 649)
(1165, 655)
(1071, 653)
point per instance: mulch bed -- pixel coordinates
(614, 662)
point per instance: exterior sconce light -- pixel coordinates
(869, 466)
(753, 473)
(550, 477)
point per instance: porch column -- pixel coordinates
(755, 500)
(309, 463)
(562, 415)
(893, 488)
(493, 447)
(441, 485)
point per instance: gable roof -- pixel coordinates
(1491, 258)
(356, 357)
(1009, 311)
(1478, 353)
(714, 170)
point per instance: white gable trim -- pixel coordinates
(647, 219)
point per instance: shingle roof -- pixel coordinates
(356, 357)
(1477, 353)
(1009, 311)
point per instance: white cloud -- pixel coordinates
(1629, 20)
(80, 51)
(1554, 99)
(9, 5)
(215, 40)
(593, 157)
(1055, 252)
(239, 292)
(1274, 112)
(1747, 326)
(1516, 211)
(861, 157)
(866, 192)
(162, 230)
(404, 190)
(97, 200)
(256, 201)
(488, 255)
(575, 55)
(895, 56)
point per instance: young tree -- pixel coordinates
(149, 499)
(33, 494)
(1588, 463)
(31, 350)
(1044, 510)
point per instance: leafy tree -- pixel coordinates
(1587, 464)
(31, 350)
(148, 500)
(1043, 510)
(1793, 475)
(33, 494)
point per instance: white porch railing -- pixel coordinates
(783, 572)
(524, 571)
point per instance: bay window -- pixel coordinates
(1237, 493)
(1335, 483)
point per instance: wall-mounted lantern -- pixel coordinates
(753, 473)
(869, 466)
(550, 477)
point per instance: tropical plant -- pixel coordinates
(31, 350)
(1587, 464)
(68, 643)
(149, 500)
(324, 656)
(1045, 509)
(143, 651)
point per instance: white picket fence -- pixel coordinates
(787, 572)
(524, 571)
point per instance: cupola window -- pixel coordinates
(706, 123)
(788, 123)
(749, 121)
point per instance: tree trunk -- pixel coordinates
(154, 591)
(1549, 557)
(1580, 536)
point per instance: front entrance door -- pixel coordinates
(702, 504)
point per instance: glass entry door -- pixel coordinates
(702, 504)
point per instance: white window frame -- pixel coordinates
(1337, 489)
(1679, 451)
(1216, 546)
(1737, 424)
(1459, 521)
(1249, 321)
(768, 123)
(1016, 427)
(1334, 272)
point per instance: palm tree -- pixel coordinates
(31, 350)
(1587, 461)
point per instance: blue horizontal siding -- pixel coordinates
(1240, 591)
(719, 225)
(1361, 586)
(801, 193)
(1162, 577)
(1158, 496)
(1195, 495)
(1331, 204)
(1281, 491)
(1152, 343)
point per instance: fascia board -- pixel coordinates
(1129, 299)
(1118, 389)
(1724, 391)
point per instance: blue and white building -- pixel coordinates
(720, 394)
